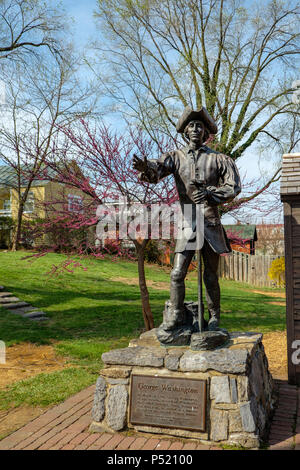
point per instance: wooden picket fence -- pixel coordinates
(242, 267)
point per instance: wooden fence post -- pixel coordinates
(252, 269)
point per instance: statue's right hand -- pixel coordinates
(139, 164)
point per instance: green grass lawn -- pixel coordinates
(90, 312)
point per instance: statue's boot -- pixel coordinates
(214, 320)
(172, 318)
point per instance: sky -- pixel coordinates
(81, 13)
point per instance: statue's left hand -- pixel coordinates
(199, 196)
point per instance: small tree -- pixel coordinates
(277, 271)
(101, 170)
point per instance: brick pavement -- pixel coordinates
(66, 427)
(285, 428)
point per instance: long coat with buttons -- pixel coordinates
(222, 183)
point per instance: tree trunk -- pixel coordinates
(147, 313)
(17, 231)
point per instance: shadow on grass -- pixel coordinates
(109, 311)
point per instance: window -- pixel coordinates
(6, 205)
(75, 203)
(29, 204)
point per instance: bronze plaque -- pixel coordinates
(169, 402)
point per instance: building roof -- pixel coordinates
(8, 178)
(290, 175)
(244, 232)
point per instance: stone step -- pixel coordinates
(32, 315)
(15, 305)
(5, 294)
(18, 307)
(28, 309)
(6, 300)
(22, 310)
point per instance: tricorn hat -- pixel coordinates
(199, 115)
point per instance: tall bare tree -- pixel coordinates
(237, 58)
(43, 89)
(37, 105)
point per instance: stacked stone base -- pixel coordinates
(240, 392)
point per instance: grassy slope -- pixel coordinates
(91, 313)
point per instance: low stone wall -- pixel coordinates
(240, 393)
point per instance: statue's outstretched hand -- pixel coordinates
(139, 164)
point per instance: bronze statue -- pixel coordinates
(221, 184)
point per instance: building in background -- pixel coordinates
(242, 238)
(42, 192)
(270, 239)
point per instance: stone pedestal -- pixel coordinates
(239, 388)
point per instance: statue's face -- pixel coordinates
(195, 131)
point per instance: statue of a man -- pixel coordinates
(222, 184)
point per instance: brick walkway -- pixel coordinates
(65, 427)
(285, 428)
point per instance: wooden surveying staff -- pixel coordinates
(199, 183)
(200, 290)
